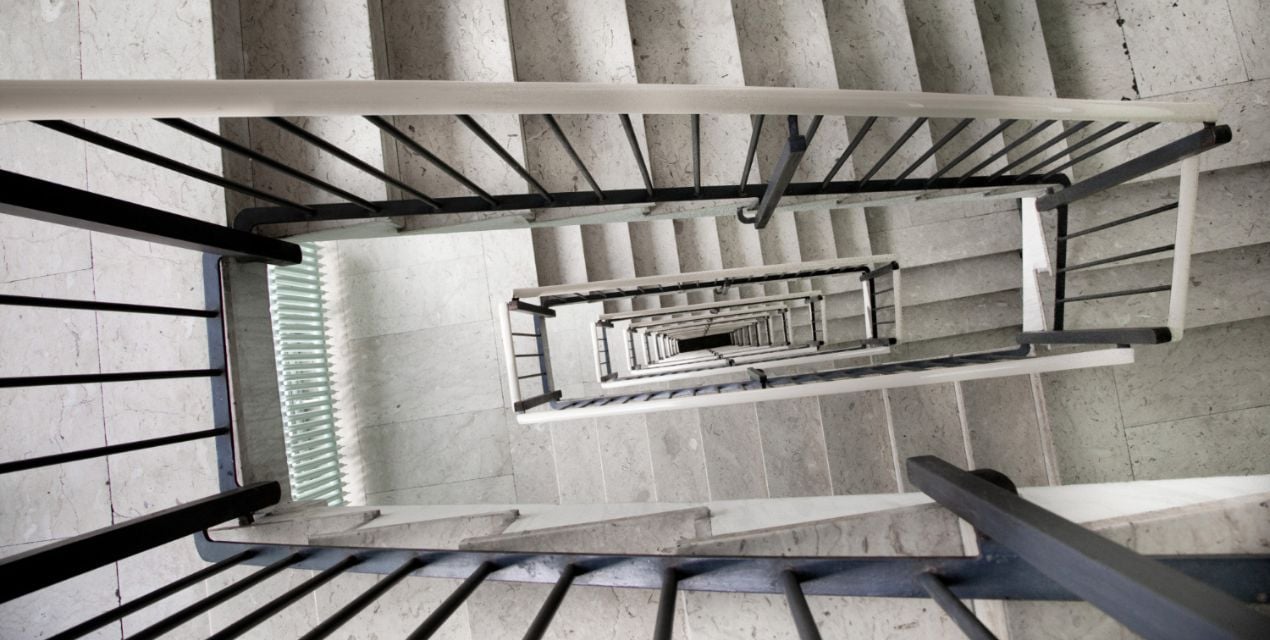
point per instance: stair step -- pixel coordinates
(298, 527)
(922, 530)
(793, 446)
(949, 240)
(648, 533)
(1004, 432)
(432, 533)
(858, 443)
(951, 59)
(927, 421)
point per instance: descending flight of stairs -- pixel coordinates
(961, 261)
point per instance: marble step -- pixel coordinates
(788, 45)
(298, 526)
(922, 530)
(934, 320)
(648, 533)
(413, 533)
(1018, 64)
(557, 41)
(670, 46)
(935, 283)
(950, 239)
(434, 42)
(951, 59)
(1004, 429)
(275, 41)
(1094, 56)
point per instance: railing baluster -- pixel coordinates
(803, 620)
(498, 149)
(755, 130)
(549, 607)
(1059, 137)
(453, 602)
(1099, 149)
(1031, 133)
(573, 155)
(84, 454)
(303, 134)
(1071, 149)
(629, 128)
(188, 613)
(1112, 294)
(93, 305)
(696, 154)
(348, 611)
(269, 609)
(851, 146)
(118, 146)
(996, 131)
(954, 607)
(665, 625)
(1115, 223)
(90, 378)
(96, 622)
(899, 142)
(945, 139)
(421, 151)
(1118, 258)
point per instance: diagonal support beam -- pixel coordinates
(782, 175)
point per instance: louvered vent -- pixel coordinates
(304, 379)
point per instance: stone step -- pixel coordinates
(951, 59)
(648, 533)
(429, 533)
(670, 46)
(299, 526)
(788, 46)
(950, 239)
(927, 420)
(271, 42)
(598, 51)
(858, 442)
(1004, 430)
(935, 320)
(922, 530)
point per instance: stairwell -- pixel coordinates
(670, 481)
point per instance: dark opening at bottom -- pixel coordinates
(705, 342)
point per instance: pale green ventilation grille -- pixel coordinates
(304, 379)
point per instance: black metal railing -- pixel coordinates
(1025, 552)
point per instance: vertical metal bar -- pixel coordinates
(812, 306)
(348, 611)
(222, 412)
(665, 626)
(996, 131)
(1071, 148)
(303, 134)
(954, 607)
(851, 146)
(509, 353)
(269, 609)
(813, 128)
(947, 137)
(1099, 149)
(899, 142)
(453, 602)
(782, 174)
(803, 620)
(1006, 148)
(96, 622)
(756, 130)
(188, 613)
(84, 454)
(1060, 263)
(639, 155)
(118, 146)
(573, 155)
(549, 607)
(476, 128)
(1062, 135)
(544, 354)
(419, 150)
(696, 155)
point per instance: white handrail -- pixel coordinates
(87, 99)
(1187, 195)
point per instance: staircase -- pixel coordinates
(961, 266)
